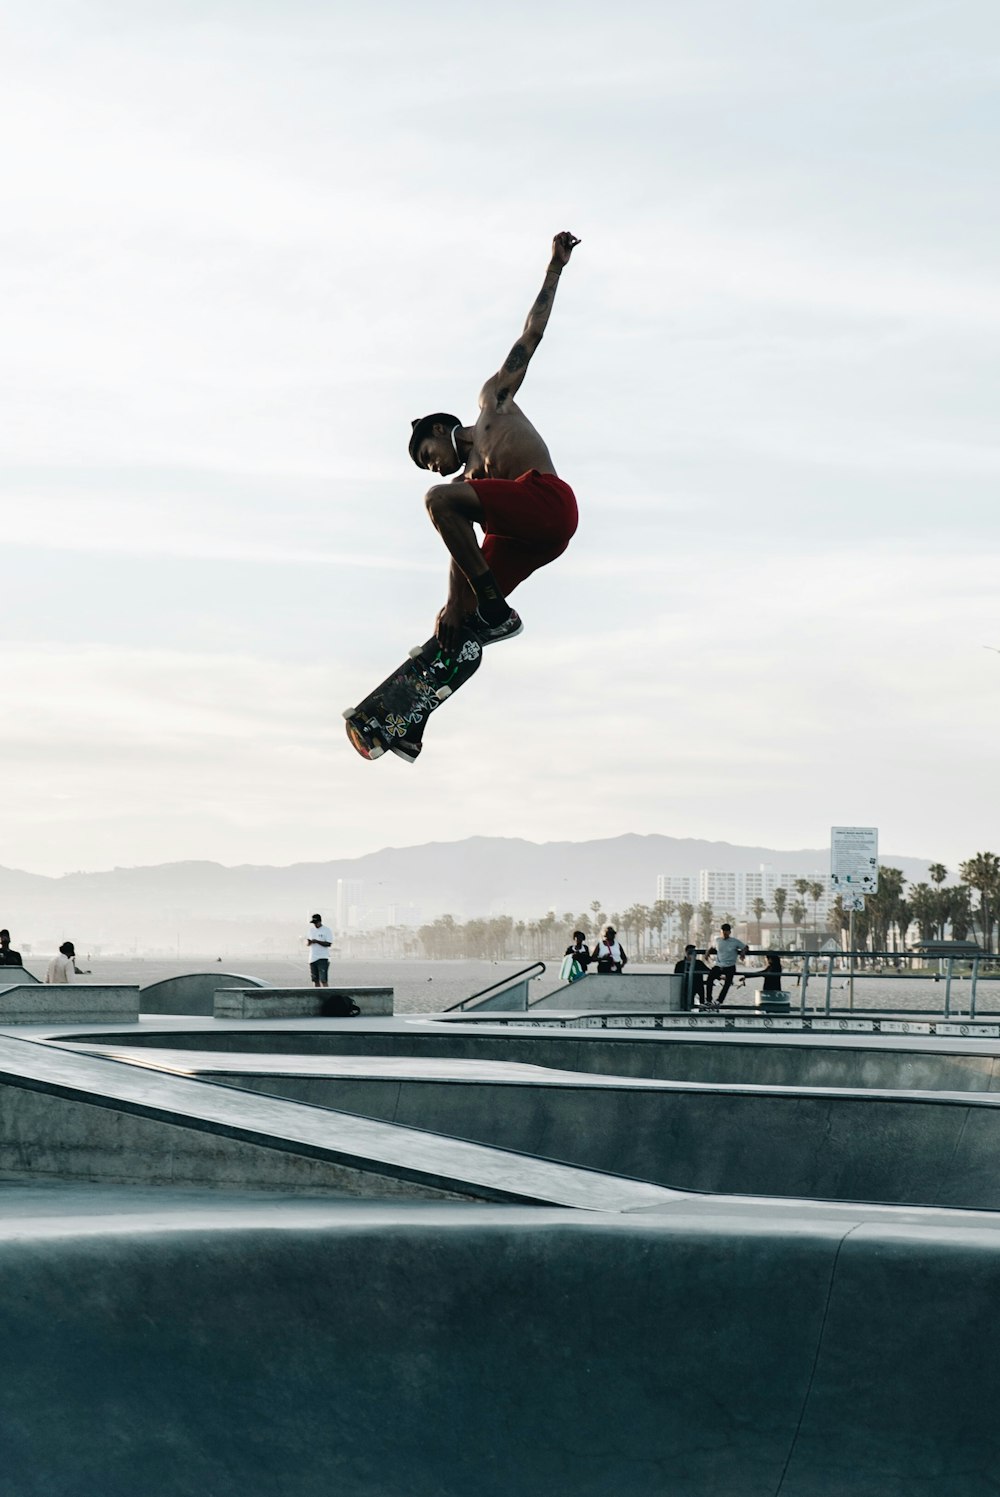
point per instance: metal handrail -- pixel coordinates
(972, 956)
(501, 982)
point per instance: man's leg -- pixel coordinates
(314, 974)
(728, 973)
(454, 508)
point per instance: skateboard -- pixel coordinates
(394, 715)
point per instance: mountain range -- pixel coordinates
(205, 906)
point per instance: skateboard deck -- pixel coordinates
(394, 715)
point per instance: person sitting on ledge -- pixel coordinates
(694, 972)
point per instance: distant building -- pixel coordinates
(347, 913)
(730, 892)
(681, 888)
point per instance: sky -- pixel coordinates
(244, 244)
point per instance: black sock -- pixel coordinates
(493, 607)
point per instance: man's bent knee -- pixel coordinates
(438, 500)
(446, 499)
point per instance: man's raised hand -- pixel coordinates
(563, 246)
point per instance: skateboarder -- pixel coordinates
(508, 486)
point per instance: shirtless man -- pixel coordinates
(508, 487)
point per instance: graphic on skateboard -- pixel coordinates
(394, 715)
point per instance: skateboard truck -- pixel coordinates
(367, 745)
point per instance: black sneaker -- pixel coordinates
(491, 634)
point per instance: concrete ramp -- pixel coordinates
(73, 1116)
(894, 1147)
(438, 1351)
(839, 1060)
(191, 992)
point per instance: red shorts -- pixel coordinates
(528, 522)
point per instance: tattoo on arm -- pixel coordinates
(516, 359)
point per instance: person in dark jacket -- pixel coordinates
(8, 956)
(695, 972)
(579, 950)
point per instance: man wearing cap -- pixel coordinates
(319, 939)
(727, 952)
(508, 486)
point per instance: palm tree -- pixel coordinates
(816, 892)
(938, 873)
(647, 924)
(780, 901)
(685, 914)
(902, 916)
(839, 917)
(663, 911)
(982, 873)
(705, 920)
(881, 907)
(798, 914)
(958, 910)
(925, 907)
(759, 906)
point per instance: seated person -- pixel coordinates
(696, 971)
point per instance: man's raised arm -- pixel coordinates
(507, 380)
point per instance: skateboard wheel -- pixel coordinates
(416, 652)
(347, 713)
(443, 693)
(376, 751)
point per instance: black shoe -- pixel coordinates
(404, 749)
(491, 634)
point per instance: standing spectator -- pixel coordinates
(609, 953)
(727, 952)
(695, 971)
(319, 940)
(577, 957)
(63, 968)
(8, 956)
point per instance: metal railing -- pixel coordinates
(503, 987)
(952, 968)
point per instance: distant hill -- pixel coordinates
(203, 906)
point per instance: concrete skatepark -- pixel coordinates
(448, 1254)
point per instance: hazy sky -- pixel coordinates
(243, 244)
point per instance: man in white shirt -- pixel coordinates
(727, 951)
(319, 939)
(62, 967)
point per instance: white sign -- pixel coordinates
(854, 858)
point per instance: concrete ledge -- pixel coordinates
(298, 1003)
(191, 992)
(645, 991)
(16, 977)
(70, 1003)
